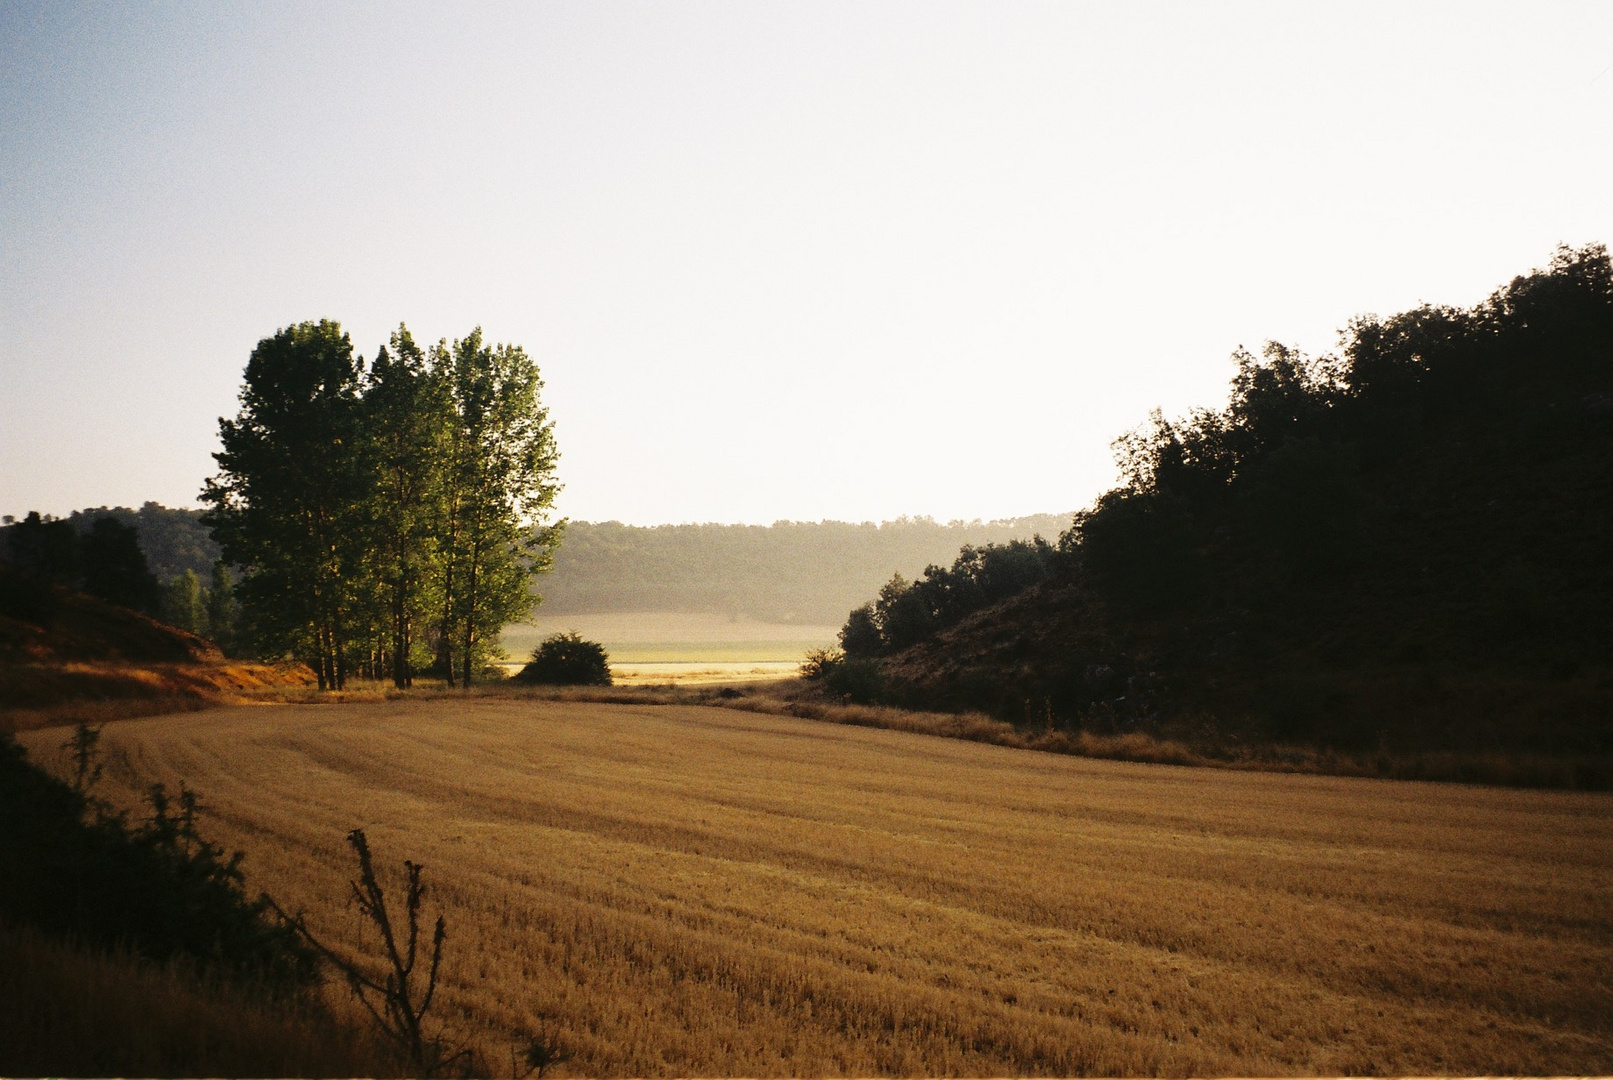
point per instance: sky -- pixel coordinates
(775, 261)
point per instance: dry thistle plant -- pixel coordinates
(542, 1052)
(84, 749)
(396, 1000)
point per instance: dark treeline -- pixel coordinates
(173, 540)
(382, 515)
(99, 555)
(1403, 543)
(908, 612)
(153, 560)
(801, 572)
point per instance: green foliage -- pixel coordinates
(220, 608)
(285, 504)
(80, 551)
(44, 547)
(860, 635)
(184, 604)
(409, 423)
(1282, 477)
(384, 519)
(567, 660)
(173, 540)
(820, 662)
(104, 559)
(856, 680)
(500, 475)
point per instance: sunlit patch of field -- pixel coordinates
(667, 637)
(686, 890)
(690, 672)
(695, 672)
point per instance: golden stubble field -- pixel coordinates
(685, 890)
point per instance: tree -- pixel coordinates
(361, 506)
(290, 483)
(115, 567)
(409, 423)
(222, 608)
(500, 480)
(183, 604)
(45, 546)
(860, 636)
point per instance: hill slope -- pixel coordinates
(65, 656)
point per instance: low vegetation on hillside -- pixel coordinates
(130, 945)
(1399, 547)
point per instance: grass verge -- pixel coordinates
(793, 697)
(75, 1012)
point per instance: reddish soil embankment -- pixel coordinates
(67, 657)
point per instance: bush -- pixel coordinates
(819, 663)
(567, 660)
(853, 679)
(858, 681)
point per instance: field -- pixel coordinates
(685, 890)
(658, 648)
(680, 647)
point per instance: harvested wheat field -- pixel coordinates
(682, 890)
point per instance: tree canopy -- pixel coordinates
(386, 518)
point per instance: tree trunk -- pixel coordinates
(470, 613)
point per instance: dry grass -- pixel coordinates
(69, 1012)
(686, 890)
(763, 691)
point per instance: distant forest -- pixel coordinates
(790, 571)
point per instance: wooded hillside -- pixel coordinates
(1405, 545)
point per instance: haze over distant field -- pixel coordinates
(776, 261)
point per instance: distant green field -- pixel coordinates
(674, 637)
(708, 652)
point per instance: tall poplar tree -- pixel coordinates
(285, 503)
(409, 423)
(499, 483)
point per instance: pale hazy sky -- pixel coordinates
(775, 260)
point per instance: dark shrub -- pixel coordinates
(73, 869)
(856, 680)
(567, 660)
